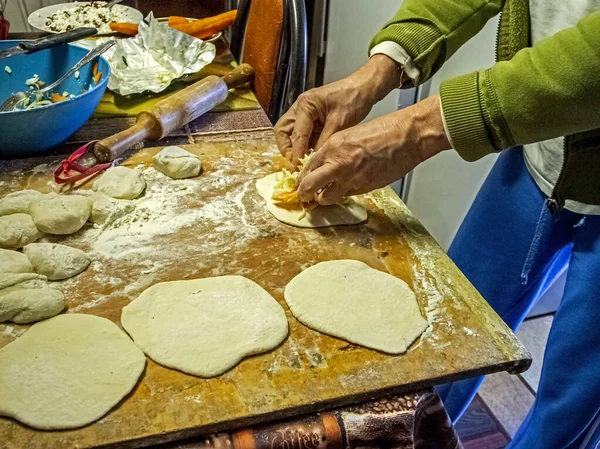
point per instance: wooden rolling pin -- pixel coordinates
(173, 112)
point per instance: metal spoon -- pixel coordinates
(15, 99)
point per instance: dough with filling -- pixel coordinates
(352, 301)
(27, 297)
(17, 230)
(205, 326)
(121, 183)
(14, 262)
(18, 202)
(67, 372)
(351, 212)
(177, 163)
(56, 261)
(60, 214)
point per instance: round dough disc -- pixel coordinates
(17, 230)
(321, 216)
(67, 372)
(60, 214)
(121, 183)
(205, 326)
(177, 163)
(56, 261)
(350, 300)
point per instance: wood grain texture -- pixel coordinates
(309, 371)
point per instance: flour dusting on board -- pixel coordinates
(428, 284)
(213, 216)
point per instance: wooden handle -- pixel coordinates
(165, 117)
(173, 112)
(238, 76)
(113, 147)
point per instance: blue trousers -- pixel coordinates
(511, 249)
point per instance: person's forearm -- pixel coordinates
(549, 90)
(424, 124)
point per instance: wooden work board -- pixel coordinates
(217, 224)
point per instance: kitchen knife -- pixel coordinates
(53, 40)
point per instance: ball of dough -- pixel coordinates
(106, 209)
(121, 183)
(14, 262)
(56, 261)
(18, 202)
(60, 214)
(25, 299)
(177, 163)
(17, 230)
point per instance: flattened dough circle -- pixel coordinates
(351, 213)
(205, 326)
(352, 301)
(67, 372)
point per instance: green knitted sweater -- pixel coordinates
(532, 94)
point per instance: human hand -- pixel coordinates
(321, 112)
(373, 154)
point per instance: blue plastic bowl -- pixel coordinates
(35, 131)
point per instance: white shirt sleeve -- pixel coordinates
(398, 54)
(445, 124)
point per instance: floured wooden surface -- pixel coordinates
(217, 224)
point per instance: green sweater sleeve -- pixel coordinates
(433, 30)
(549, 90)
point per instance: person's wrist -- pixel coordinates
(377, 78)
(426, 125)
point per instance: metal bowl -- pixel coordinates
(35, 131)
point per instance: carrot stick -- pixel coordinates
(209, 31)
(177, 20)
(130, 29)
(97, 77)
(196, 26)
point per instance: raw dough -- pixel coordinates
(121, 182)
(205, 326)
(60, 214)
(17, 230)
(18, 202)
(27, 297)
(351, 213)
(67, 372)
(56, 261)
(106, 209)
(14, 262)
(177, 163)
(350, 300)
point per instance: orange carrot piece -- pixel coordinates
(95, 68)
(83, 91)
(225, 20)
(177, 20)
(57, 98)
(210, 30)
(97, 77)
(130, 29)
